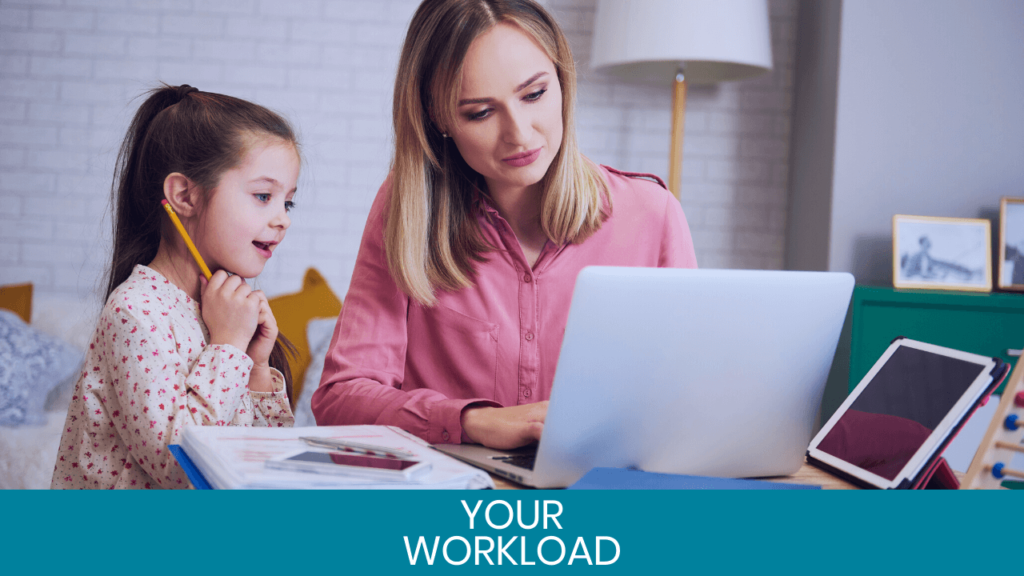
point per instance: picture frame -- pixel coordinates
(941, 253)
(1011, 244)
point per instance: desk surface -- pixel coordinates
(807, 474)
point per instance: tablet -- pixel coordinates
(347, 464)
(894, 425)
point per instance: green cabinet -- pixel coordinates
(991, 324)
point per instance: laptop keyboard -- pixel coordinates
(521, 460)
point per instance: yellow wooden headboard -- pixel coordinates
(18, 299)
(294, 311)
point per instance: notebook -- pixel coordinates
(234, 457)
(699, 372)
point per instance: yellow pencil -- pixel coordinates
(188, 241)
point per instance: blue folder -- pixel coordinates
(626, 479)
(194, 476)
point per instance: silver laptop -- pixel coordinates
(701, 372)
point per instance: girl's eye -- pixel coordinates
(289, 206)
(480, 115)
(264, 198)
(534, 96)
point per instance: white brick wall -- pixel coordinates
(736, 142)
(71, 72)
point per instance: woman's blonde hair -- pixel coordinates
(431, 236)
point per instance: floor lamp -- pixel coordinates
(683, 42)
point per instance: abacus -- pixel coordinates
(1002, 440)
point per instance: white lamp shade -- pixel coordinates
(711, 40)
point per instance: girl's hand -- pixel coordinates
(262, 345)
(265, 336)
(230, 310)
(505, 428)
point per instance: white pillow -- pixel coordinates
(72, 320)
(318, 334)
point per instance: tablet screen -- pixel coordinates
(356, 460)
(900, 407)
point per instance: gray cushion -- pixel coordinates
(318, 334)
(32, 364)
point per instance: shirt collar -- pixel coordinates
(483, 203)
(145, 275)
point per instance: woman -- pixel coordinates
(453, 322)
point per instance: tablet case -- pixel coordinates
(941, 475)
(936, 473)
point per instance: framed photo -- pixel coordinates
(942, 253)
(1011, 244)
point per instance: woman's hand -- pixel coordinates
(505, 428)
(230, 311)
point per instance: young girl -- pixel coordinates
(172, 349)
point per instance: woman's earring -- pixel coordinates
(444, 134)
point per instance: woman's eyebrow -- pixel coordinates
(529, 81)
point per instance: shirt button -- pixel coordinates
(526, 393)
(527, 278)
(529, 336)
(445, 436)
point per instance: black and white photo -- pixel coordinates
(1011, 244)
(941, 253)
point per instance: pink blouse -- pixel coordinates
(393, 361)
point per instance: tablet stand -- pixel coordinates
(1002, 440)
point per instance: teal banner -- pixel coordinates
(596, 532)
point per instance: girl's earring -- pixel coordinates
(444, 134)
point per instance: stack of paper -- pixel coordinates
(233, 458)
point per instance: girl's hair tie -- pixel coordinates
(185, 90)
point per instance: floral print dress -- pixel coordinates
(149, 372)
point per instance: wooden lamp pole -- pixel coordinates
(675, 154)
(708, 40)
